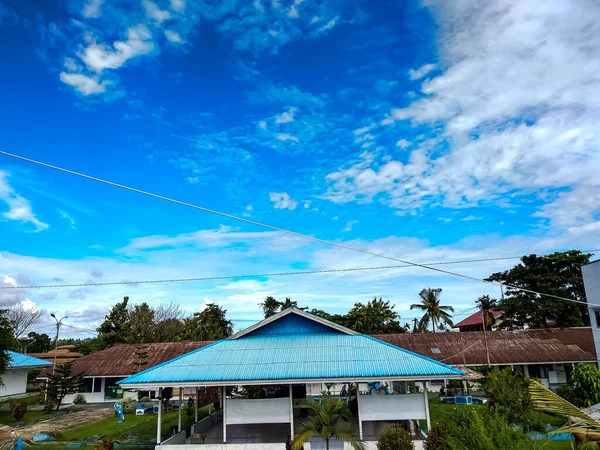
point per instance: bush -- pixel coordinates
(79, 399)
(19, 411)
(32, 374)
(49, 406)
(508, 392)
(586, 381)
(105, 444)
(145, 399)
(395, 438)
(127, 405)
(436, 437)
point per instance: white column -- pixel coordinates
(196, 405)
(291, 414)
(180, 409)
(360, 431)
(224, 404)
(426, 400)
(526, 370)
(159, 424)
(93, 388)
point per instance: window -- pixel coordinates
(87, 385)
(97, 384)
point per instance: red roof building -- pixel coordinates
(475, 323)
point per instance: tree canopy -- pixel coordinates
(556, 274)
(42, 343)
(116, 328)
(7, 341)
(209, 325)
(435, 313)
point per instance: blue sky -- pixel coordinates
(429, 132)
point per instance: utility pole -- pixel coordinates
(58, 324)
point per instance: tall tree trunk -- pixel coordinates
(433, 323)
(327, 444)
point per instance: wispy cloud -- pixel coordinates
(420, 72)
(19, 208)
(282, 200)
(68, 218)
(349, 225)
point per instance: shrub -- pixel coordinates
(19, 411)
(145, 399)
(395, 438)
(49, 406)
(79, 399)
(508, 392)
(32, 374)
(105, 444)
(436, 438)
(586, 381)
(127, 405)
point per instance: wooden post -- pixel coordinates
(291, 414)
(426, 399)
(180, 409)
(158, 431)
(196, 405)
(360, 430)
(224, 404)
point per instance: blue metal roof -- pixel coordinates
(293, 356)
(20, 360)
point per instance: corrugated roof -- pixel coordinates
(122, 360)
(63, 355)
(295, 356)
(475, 318)
(18, 360)
(505, 347)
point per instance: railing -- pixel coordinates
(176, 439)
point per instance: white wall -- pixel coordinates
(15, 382)
(265, 410)
(591, 281)
(392, 407)
(257, 446)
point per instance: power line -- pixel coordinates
(264, 275)
(283, 230)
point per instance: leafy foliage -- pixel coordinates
(586, 383)
(487, 304)
(473, 429)
(33, 374)
(116, 328)
(105, 444)
(208, 325)
(19, 411)
(508, 392)
(557, 274)
(42, 343)
(7, 341)
(331, 419)
(63, 382)
(395, 438)
(270, 306)
(79, 399)
(127, 405)
(435, 313)
(141, 318)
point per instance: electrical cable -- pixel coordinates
(283, 230)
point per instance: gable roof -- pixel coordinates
(19, 360)
(276, 325)
(298, 350)
(476, 319)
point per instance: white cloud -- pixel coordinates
(85, 85)
(155, 13)
(325, 28)
(293, 12)
(403, 144)
(69, 219)
(286, 116)
(174, 37)
(282, 200)
(420, 72)
(19, 208)
(249, 208)
(306, 203)
(262, 124)
(92, 8)
(178, 5)
(286, 137)
(470, 218)
(349, 225)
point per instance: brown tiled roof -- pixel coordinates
(122, 359)
(505, 347)
(63, 355)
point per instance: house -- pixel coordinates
(63, 354)
(287, 353)
(548, 354)
(591, 282)
(103, 369)
(475, 321)
(15, 378)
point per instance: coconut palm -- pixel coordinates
(487, 304)
(435, 313)
(331, 419)
(270, 306)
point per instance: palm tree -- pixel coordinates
(270, 306)
(434, 312)
(331, 419)
(486, 305)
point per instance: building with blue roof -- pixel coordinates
(15, 379)
(288, 357)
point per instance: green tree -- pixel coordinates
(395, 438)
(7, 341)
(585, 379)
(141, 319)
(435, 313)
(508, 392)
(340, 319)
(86, 346)
(209, 325)
(556, 274)
(63, 382)
(376, 317)
(487, 304)
(270, 306)
(116, 328)
(331, 419)
(42, 343)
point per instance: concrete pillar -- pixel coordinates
(224, 405)
(426, 400)
(159, 424)
(526, 370)
(196, 405)
(180, 409)
(291, 413)
(360, 430)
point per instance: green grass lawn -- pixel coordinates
(6, 417)
(144, 427)
(33, 399)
